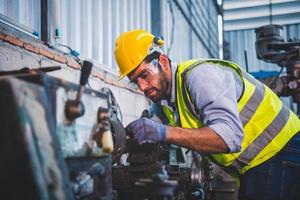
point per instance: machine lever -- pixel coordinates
(75, 108)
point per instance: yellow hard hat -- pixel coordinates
(132, 48)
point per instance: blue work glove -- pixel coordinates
(146, 130)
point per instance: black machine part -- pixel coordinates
(266, 36)
(75, 108)
(150, 174)
(271, 47)
(119, 139)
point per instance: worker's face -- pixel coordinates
(152, 79)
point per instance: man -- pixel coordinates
(216, 108)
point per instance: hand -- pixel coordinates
(146, 130)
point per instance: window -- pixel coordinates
(22, 14)
(89, 27)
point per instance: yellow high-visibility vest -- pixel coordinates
(268, 124)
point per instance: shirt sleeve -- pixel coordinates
(213, 93)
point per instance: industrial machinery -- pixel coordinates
(271, 47)
(158, 171)
(161, 171)
(60, 140)
(55, 137)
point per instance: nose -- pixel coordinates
(142, 84)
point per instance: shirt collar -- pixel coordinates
(173, 89)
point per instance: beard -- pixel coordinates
(159, 93)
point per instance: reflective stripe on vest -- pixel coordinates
(254, 101)
(268, 134)
(268, 124)
(262, 140)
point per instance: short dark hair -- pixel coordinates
(155, 55)
(152, 56)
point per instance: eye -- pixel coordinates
(134, 82)
(144, 74)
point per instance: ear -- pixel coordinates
(164, 61)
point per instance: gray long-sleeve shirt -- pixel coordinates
(214, 92)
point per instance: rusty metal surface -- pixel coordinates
(45, 149)
(36, 128)
(74, 136)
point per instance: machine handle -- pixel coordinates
(75, 108)
(85, 72)
(106, 136)
(107, 142)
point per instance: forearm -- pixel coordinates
(203, 140)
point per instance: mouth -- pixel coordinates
(149, 92)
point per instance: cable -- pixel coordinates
(97, 75)
(71, 51)
(75, 55)
(114, 107)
